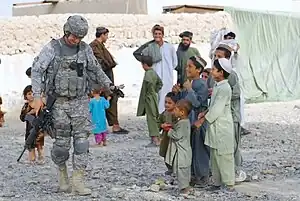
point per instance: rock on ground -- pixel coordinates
(126, 169)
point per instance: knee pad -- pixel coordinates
(81, 146)
(59, 155)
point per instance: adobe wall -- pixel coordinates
(27, 34)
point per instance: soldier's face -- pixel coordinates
(73, 40)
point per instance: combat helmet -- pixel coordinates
(76, 25)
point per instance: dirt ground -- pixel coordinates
(125, 169)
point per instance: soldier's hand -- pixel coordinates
(38, 105)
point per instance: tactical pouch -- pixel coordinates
(78, 67)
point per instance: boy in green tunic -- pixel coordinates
(179, 154)
(166, 121)
(220, 134)
(148, 101)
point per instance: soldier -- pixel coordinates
(69, 68)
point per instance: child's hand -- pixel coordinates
(108, 98)
(166, 126)
(199, 122)
(201, 115)
(187, 85)
(210, 91)
(176, 88)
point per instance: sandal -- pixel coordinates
(121, 131)
(187, 192)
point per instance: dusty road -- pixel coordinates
(125, 169)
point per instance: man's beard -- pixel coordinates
(184, 47)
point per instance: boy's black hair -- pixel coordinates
(207, 70)
(147, 60)
(227, 52)
(1, 100)
(28, 72)
(185, 105)
(100, 31)
(172, 96)
(231, 34)
(26, 90)
(219, 67)
(199, 62)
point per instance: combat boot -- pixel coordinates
(64, 185)
(78, 183)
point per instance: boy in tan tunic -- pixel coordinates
(179, 154)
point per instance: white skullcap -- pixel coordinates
(225, 64)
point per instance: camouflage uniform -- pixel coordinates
(71, 86)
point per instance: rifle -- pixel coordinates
(43, 122)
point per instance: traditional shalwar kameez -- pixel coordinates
(179, 154)
(233, 81)
(148, 104)
(164, 69)
(165, 117)
(220, 135)
(198, 96)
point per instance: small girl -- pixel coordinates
(179, 154)
(166, 121)
(39, 142)
(97, 107)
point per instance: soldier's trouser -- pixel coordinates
(222, 166)
(112, 111)
(71, 120)
(237, 144)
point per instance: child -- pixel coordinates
(148, 101)
(223, 51)
(205, 74)
(1, 114)
(220, 135)
(97, 107)
(39, 142)
(166, 121)
(197, 93)
(179, 154)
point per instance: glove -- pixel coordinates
(114, 88)
(117, 90)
